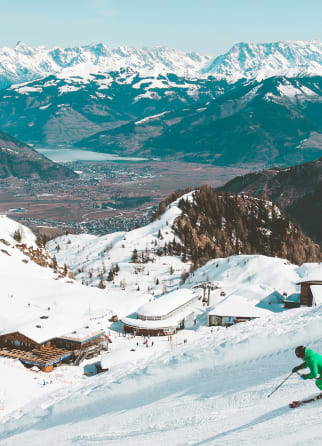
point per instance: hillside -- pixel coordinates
(215, 224)
(19, 160)
(276, 121)
(187, 231)
(297, 189)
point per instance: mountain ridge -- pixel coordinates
(242, 61)
(296, 189)
(19, 160)
(275, 121)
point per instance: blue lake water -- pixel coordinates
(67, 155)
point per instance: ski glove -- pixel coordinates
(304, 376)
(297, 368)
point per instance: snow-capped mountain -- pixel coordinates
(264, 60)
(166, 103)
(25, 63)
(242, 61)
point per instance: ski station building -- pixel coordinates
(165, 315)
(233, 310)
(51, 340)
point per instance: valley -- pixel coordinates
(106, 197)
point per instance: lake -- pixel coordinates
(67, 155)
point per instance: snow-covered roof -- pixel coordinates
(83, 333)
(167, 303)
(170, 322)
(317, 294)
(238, 306)
(56, 326)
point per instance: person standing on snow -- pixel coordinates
(313, 361)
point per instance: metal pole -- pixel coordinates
(280, 384)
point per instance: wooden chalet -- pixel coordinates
(79, 339)
(311, 292)
(45, 353)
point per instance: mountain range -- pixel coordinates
(257, 104)
(277, 120)
(242, 61)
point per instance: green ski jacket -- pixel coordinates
(314, 362)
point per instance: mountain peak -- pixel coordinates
(262, 60)
(23, 48)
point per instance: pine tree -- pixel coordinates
(54, 263)
(101, 284)
(134, 258)
(110, 276)
(17, 235)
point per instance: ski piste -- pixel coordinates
(296, 404)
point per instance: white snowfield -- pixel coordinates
(34, 301)
(210, 390)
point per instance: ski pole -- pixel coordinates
(280, 384)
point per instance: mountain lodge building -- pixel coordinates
(165, 315)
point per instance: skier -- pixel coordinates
(313, 361)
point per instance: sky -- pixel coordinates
(207, 26)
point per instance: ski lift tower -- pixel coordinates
(207, 287)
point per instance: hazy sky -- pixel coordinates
(207, 26)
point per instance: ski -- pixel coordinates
(296, 404)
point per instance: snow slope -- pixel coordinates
(29, 291)
(212, 390)
(206, 386)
